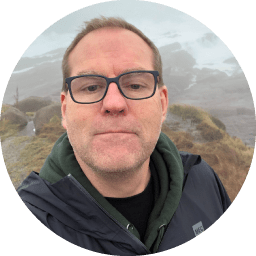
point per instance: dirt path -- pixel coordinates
(11, 148)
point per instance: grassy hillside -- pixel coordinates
(37, 148)
(228, 156)
(7, 129)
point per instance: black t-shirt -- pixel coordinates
(136, 208)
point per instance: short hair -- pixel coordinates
(113, 22)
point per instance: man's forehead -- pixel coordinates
(106, 31)
(110, 45)
(111, 37)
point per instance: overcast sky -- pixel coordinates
(162, 24)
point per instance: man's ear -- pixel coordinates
(164, 101)
(63, 100)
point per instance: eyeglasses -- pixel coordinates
(134, 85)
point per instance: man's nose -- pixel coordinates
(114, 102)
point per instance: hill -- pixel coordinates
(198, 132)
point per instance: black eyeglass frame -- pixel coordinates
(113, 80)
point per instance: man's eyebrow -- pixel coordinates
(89, 72)
(133, 69)
(93, 72)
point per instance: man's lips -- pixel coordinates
(115, 131)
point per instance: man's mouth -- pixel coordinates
(115, 132)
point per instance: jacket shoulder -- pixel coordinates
(203, 201)
(196, 169)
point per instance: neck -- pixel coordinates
(118, 184)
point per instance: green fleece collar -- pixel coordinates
(168, 166)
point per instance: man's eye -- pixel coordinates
(89, 88)
(135, 86)
(92, 88)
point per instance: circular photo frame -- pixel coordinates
(210, 111)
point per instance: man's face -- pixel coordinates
(115, 134)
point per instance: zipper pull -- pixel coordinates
(160, 235)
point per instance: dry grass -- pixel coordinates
(53, 130)
(36, 150)
(34, 154)
(187, 112)
(197, 115)
(209, 133)
(7, 129)
(31, 114)
(4, 108)
(217, 122)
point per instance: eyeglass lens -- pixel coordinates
(90, 88)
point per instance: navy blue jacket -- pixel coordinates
(71, 212)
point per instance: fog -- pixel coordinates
(163, 25)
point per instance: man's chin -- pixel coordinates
(115, 151)
(116, 164)
(116, 142)
(109, 172)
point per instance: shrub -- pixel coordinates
(218, 123)
(209, 133)
(187, 112)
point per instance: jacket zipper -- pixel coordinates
(77, 184)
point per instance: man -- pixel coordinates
(114, 183)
